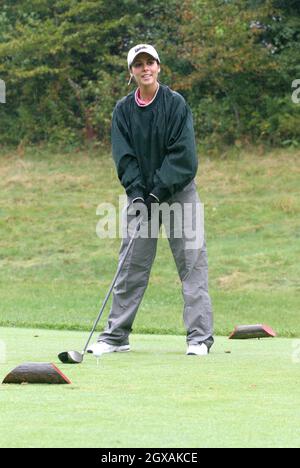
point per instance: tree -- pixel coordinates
(227, 66)
(64, 64)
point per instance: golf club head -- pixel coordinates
(71, 357)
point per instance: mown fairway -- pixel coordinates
(244, 394)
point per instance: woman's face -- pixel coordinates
(145, 70)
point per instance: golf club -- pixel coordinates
(75, 357)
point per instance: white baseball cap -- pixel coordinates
(138, 49)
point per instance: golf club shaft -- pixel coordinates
(113, 284)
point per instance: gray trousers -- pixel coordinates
(191, 266)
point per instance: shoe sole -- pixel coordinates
(118, 350)
(194, 354)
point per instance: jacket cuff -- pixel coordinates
(154, 196)
(161, 193)
(137, 198)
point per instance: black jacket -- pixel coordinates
(154, 146)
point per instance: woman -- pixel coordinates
(153, 147)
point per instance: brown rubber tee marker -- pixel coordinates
(243, 332)
(36, 373)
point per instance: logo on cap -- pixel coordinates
(140, 48)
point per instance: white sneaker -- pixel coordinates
(197, 350)
(99, 348)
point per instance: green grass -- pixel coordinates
(54, 270)
(154, 396)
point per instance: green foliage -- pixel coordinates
(64, 63)
(239, 70)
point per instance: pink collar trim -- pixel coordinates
(140, 101)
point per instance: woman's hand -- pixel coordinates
(147, 205)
